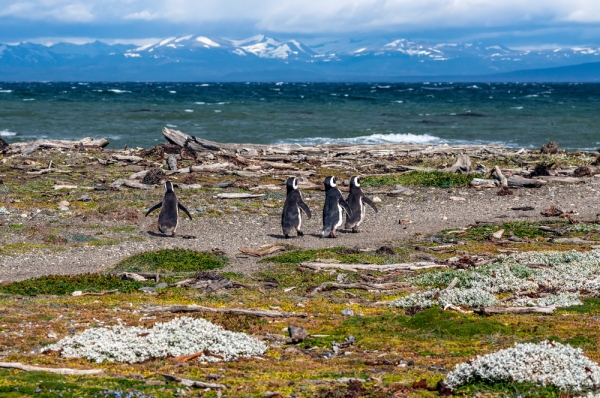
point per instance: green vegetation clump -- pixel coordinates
(420, 178)
(343, 254)
(176, 260)
(436, 321)
(67, 284)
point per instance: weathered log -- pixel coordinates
(233, 311)
(373, 267)
(261, 252)
(62, 371)
(575, 241)
(239, 195)
(516, 181)
(501, 177)
(46, 171)
(482, 183)
(212, 167)
(462, 165)
(139, 174)
(29, 147)
(515, 310)
(172, 163)
(194, 383)
(131, 184)
(370, 287)
(128, 158)
(562, 180)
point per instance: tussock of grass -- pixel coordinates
(67, 284)
(342, 254)
(420, 178)
(176, 260)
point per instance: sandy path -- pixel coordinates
(427, 209)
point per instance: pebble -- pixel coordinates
(85, 198)
(376, 199)
(161, 285)
(63, 203)
(63, 208)
(51, 335)
(347, 312)
(147, 289)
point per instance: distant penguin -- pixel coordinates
(332, 210)
(291, 218)
(357, 202)
(168, 218)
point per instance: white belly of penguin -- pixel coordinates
(363, 210)
(299, 220)
(339, 223)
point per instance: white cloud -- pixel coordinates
(313, 16)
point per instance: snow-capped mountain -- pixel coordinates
(199, 57)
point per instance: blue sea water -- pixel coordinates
(512, 114)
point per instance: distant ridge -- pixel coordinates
(260, 58)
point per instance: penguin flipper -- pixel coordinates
(305, 209)
(155, 207)
(370, 203)
(182, 208)
(344, 204)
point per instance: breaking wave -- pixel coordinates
(369, 139)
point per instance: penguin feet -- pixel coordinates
(287, 236)
(300, 233)
(355, 230)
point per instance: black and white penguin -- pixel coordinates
(168, 218)
(332, 210)
(357, 202)
(291, 218)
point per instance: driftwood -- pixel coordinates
(85, 143)
(212, 167)
(462, 165)
(131, 184)
(482, 183)
(238, 195)
(515, 182)
(503, 180)
(373, 267)
(233, 311)
(370, 287)
(515, 310)
(128, 158)
(562, 180)
(194, 383)
(261, 252)
(327, 151)
(62, 371)
(575, 241)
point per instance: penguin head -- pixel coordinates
(355, 181)
(291, 184)
(330, 182)
(168, 186)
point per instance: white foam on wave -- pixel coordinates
(189, 110)
(5, 91)
(29, 99)
(114, 90)
(6, 133)
(369, 139)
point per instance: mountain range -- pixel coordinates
(262, 58)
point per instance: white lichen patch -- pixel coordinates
(545, 363)
(564, 274)
(180, 336)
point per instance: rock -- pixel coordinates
(458, 198)
(200, 209)
(348, 312)
(63, 203)
(85, 198)
(77, 293)
(401, 191)
(147, 289)
(51, 335)
(172, 163)
(405, 221)
(551, 147)
(24, 215)
(582, 171)
(498, 234)
(139, 174)
(63, 208)
(297, 333)
(376, 199)
(161, 285)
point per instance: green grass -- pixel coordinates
(589, 306)
(47, 385)
(420, 178)
(506, 389)
(436, 321)
(176, 260)
(67, 284)
(342, 254)
(520, 229)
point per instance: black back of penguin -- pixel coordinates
(168, 217)
(332, 210)
(291, 217)
(357, 202)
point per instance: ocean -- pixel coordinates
(517, 115)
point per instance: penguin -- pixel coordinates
(357, 202)
(291, 217)
(168, 218)
(332, 210)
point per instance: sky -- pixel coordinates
(517, 23)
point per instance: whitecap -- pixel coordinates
(204, 85)
(189, 110)
(171, 125)
(222, 103)
(6, 133)
(531, 96)
(516, 107)
(114, 90)
(200, 103)
(399, 102)
(173, 92)
(28, 99)
(5, 91)
(369, 139)
(217, 111)
(383, 86)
